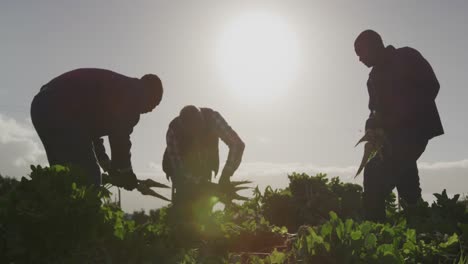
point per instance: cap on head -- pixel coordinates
(153, 91)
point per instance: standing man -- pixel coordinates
(191, 157)
(402, 91)
(74, 110)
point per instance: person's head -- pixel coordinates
(369, 47)
(192, 120)
(153, 92)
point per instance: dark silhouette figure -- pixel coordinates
(402, 90)
(191, 158)
(74, 110)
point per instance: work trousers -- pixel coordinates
(397, 168)
(64, 141)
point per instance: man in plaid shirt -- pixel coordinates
(192, 146)
(192, 154)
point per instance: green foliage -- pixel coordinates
(55, 217)
(308, 199)
(367, 242)
(443, 216)
(53, 214)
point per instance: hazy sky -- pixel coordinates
(311, 124)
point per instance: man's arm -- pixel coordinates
(372, 121)
(233, 141)
(425, 79)
(101, 155)
(120, 150)
(121, 167)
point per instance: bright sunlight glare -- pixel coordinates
(258, 56)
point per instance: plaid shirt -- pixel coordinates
(224, 132)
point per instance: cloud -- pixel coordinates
(19, 146)
(461, 164)
(260, 169)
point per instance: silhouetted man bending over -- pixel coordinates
(402, 90)
(191, 156)
(73, 111)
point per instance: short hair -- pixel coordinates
(153, 87)
(190, 112)
(368, 38)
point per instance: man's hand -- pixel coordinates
(124, 178)
(225, 179)
(105, 165)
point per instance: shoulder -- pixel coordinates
(208, 113)
(206, 110)
(408, 53)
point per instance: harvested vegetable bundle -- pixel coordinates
(375, 141)
(228, 192)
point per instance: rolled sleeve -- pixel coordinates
(232, 140)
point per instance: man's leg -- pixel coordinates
(408, 186)
(70, 148)
(378, 184)
(64, 143)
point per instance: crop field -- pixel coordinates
(52, 217)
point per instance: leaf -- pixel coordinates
(326, 229)
(376, 139)
(369, 151)
(277, 257)
(333, 215)
(450, 241)
(356, 235)
(411, 235)
(370, 241)
(408, 247)
(364, 138)
(59, 168)
(349, 225)
(236, 183)
(150, 183)
(386, 249)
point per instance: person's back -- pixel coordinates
(75, 109)
(95, 100)
(405, 88)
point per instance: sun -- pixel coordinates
(257, 56)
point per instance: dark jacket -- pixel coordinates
(96, 102)
(402, 90)
(199, 156)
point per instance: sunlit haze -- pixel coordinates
(258, 56)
